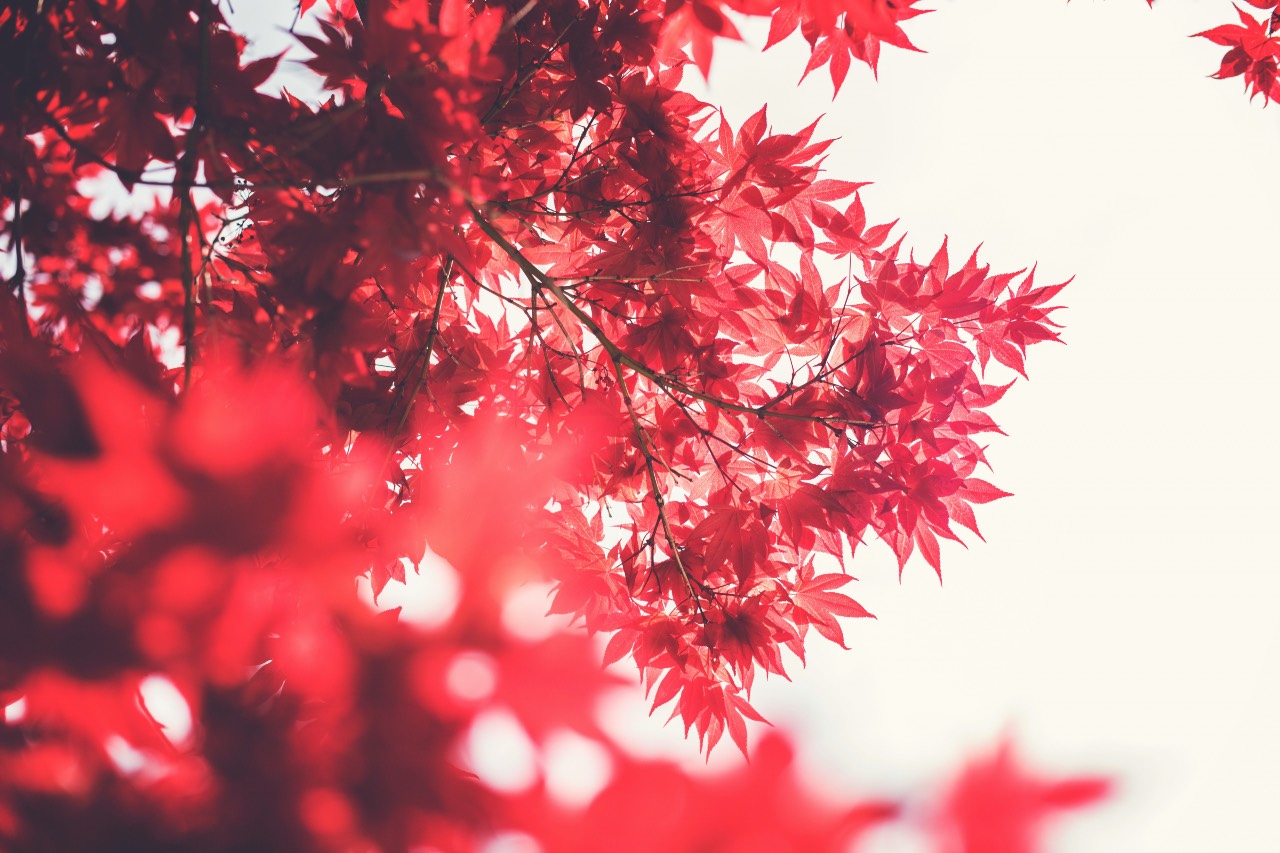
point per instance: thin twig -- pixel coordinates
(658, 499)
(617, 354)
(18, 282)
(188, 215)
(424, 356)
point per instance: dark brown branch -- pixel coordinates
(188, 216)
(659, 501)
(26, 87)
(617, 354)
(505, 98)
(424, 355)
(18, 282)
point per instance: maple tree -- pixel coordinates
(505, 289)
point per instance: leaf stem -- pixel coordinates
(615, 352)
(424, 356)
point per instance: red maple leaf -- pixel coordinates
(818, 604)
(1254, 51)
(997, 807)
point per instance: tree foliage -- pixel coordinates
(1254, 49)
(504, 288)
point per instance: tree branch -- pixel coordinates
(658, 500)
(424, 355)
(188, 216)
(617, 354)
(18, 282)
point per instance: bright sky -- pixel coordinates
(1121, 617)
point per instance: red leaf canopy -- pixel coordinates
(503, 288)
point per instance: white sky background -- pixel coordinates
(1120, 617)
